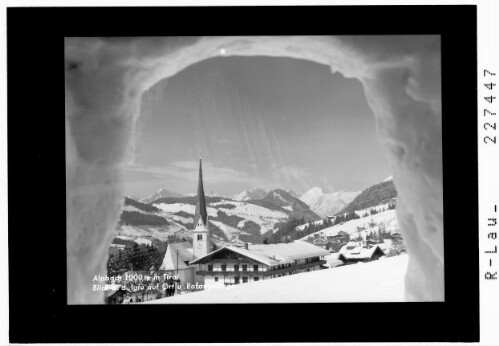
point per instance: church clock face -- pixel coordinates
(199, 245)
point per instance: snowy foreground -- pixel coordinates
(378, 281)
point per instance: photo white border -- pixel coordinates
(488, 57)
(488, 167)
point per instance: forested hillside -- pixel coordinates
(372, 196)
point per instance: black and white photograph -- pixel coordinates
(250, 173)
(255, 169)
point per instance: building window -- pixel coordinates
(255, 267)
(245, 267)
(236, 267)
(210, 267)
(256, 278)
(216, 278)
(245, 279)
(200, 237)
(236, 280)
(224, 267)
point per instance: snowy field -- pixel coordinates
(247, 209)
(377, 281)
(378, 208)
(305, 225)
(387, 218)
(132, 208)
(144, 233)
(263, 217)
(187, 208)
(228, 231)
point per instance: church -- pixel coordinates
(178, 256)
(232, 265)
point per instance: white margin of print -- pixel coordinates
(488, 57)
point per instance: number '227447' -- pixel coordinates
(490, 99)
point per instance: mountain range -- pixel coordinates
(249, 221)
(325, 203)
(161, 193)
(257, 193)
(254, 193)
(313, 204)
(249, 216)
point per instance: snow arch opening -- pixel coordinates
(104, 82)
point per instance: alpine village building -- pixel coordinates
(235, 264)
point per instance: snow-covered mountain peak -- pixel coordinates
(326, 203)
(313, 192)
(255, 193)
(160, 193)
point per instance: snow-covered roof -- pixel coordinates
(354, 250)
(184, 251)
(273, 254)
(320, 241)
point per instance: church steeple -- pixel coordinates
(201, 202)
(201, 234)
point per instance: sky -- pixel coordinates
(260, 122)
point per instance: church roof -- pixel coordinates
(177, 256)
(201, 202)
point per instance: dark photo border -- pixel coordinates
(37, 186)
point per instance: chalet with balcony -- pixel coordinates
(234, 265)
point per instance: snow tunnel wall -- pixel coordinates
(104, 82)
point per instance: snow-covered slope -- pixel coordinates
(378, 208)
(245, 221)
(174, 208)
(257, 193)
(232, 218)
(386, 219)
(285, 200)
(374, 195)
(377, 281)
(141, 233)
(254, 193)
(265, 218)
(327, 203)
(293, 193)
(305, 225)
(161, 193)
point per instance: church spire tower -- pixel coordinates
(201, 232)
